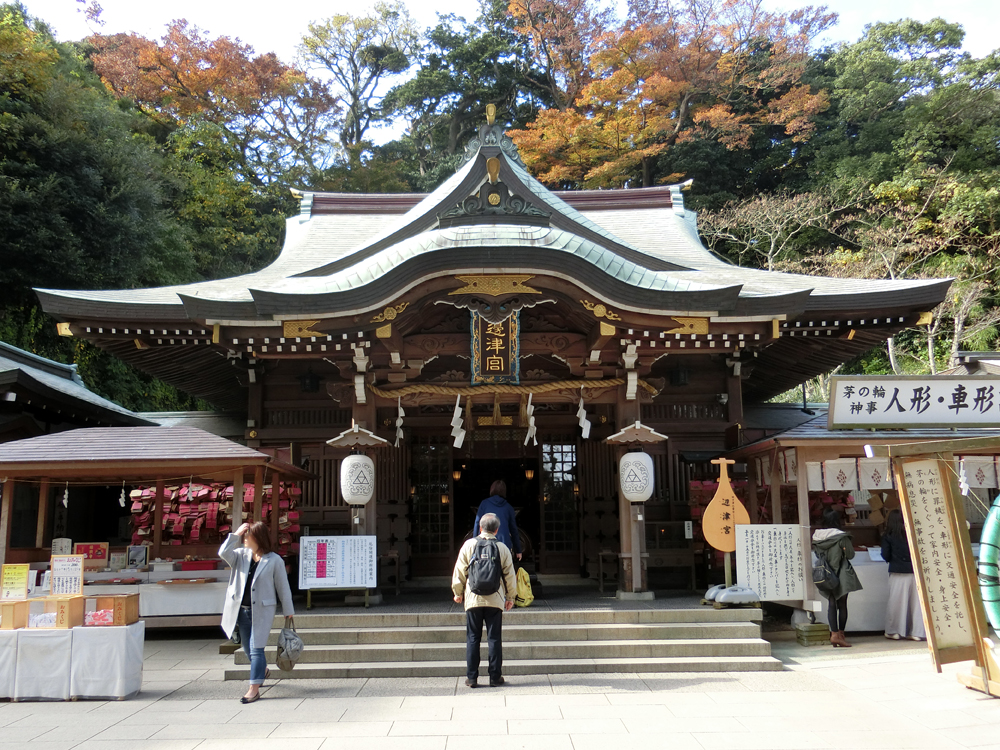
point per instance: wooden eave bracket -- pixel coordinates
(597, 339)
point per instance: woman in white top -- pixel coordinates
(257, 582)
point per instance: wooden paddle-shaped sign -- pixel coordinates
(723, 513)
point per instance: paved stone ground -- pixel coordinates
(879, 695)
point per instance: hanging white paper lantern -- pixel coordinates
(357, 479)
(635, 477)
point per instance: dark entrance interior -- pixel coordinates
(474, 486)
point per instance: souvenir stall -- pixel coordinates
(795, 475)
(178, 484)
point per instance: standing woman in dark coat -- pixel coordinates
(834, 544)
(903, 618)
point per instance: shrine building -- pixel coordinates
(494, 329)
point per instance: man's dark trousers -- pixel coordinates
(474, 619)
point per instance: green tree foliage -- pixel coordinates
(360, 53)
(464, 66)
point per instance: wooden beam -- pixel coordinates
(43, 513)
(258, 492)
(597, 339)
(158, 518)
(6, 513)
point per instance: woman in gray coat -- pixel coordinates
(834, 544)
(257, 582)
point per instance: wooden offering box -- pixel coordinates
(68, 610)
(14, 615)
(125, 608)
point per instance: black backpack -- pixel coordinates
(485, 570)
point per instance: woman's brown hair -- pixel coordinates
(261, 534)
(499, 487)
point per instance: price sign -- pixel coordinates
(67, 575)
(13, 582)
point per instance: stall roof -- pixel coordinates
(816, 433)
(130, 453)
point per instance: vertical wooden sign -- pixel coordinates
(935, 525)
(495, 349)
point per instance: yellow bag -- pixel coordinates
(524, 596)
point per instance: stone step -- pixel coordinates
(514, 631)
(533, 651)
(527, 616)
(515, 667)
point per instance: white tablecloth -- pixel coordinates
(866, 608)
(8, 662)
(181, 599)
(43, 664)
(107, 661)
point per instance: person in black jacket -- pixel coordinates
(903, 618)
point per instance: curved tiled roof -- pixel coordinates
(346, 256)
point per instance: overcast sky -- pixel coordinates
(278, 26)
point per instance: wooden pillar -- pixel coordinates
(802, 493)
(752, 490)
(275, 503)
(237, 498)
(775, 489)
(6, 514)
(158, 518)
(42, 522)
(258, 492)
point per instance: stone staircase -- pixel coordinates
(535, 642)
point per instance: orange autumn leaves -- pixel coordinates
(720, 69)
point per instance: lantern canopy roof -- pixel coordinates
(357, 436)
(636, 433)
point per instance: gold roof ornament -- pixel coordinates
(491, 113)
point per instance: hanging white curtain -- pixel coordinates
(841, 474)
(875, 473)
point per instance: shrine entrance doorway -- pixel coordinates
(473, 486)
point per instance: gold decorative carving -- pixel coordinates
(492, 421)
(494, 199)
(390, 313)
(384, 332)
(689, 325)
(607, 329)
(297, 329)
(599, 310)
(491, 113)
(493, 171)
(495, 286)
(63, 329)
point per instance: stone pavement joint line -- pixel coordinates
(883, 698)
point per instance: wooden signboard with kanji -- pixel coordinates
(724, 512)
(947, 583)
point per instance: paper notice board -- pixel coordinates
(770, 560)
(337, 562)
(13, 582)
(67, 575)
(94, 553)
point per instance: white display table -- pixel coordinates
(181, 599)
(865, 608)
(44, 658)
(107, 661)
(8, 662)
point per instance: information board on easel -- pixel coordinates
(67, 575)
(947, 584)
(336, 562)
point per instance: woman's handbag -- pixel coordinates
(290, 646)
(824, 576)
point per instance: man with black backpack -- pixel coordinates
(484, 579)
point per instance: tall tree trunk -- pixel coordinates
(893, 360)
(647, 173)
(930, 352)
